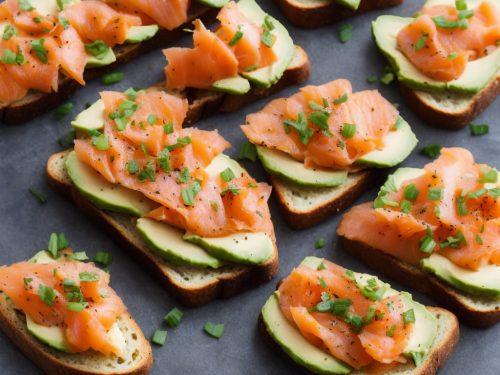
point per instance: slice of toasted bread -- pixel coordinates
(137, 360)
(450, 110)
(475, 311)
(190, 285)
(304, 207)
(316, 13)
(444, 344)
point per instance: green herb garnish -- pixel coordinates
(98, 49)
(214, 330)
(479, 129)
(431, 151)
(112, 78)
(47, 294)
(159, 337)
(39, 196)
(103, 257)
(345, 33)
(348, 130)
(227, 175)
(39, 49)
(248, 151)
(173, 317)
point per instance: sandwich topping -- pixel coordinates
(450, 208)
(324, 126)
(444, 38)
(354, 320)
(68, 294)
(238, 45)
(142, 146)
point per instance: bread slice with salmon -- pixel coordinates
(329, 320)
(317, 13)
(435, 230)
(446, 58)
(121, 349)
(190, 214)
(320, 147)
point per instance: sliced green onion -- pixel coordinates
(159, 337)
(103, 257)
(112, 78)
(173, 317)
(214, 330)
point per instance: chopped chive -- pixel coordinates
(133, 167)
(168, 128)
(183, 176)
(8, 32)
(227, 175)
(151, 119)
(267, 38)
(173, 317)
(348, 130)
(479, 240)
(320, 243)
(103, 257)
(345, 33)
(387, 78)
(390, 331)
(159, 337)
(63, 110)
(452, 56)
(322, 282)
(76, 306)
(321, 266)
(411, 192)
(236, 38)
(421, 42)
(461, 4)
(461, 205)
(341, 100)
(248, 151)
(39, 49)
(47, 294)
(372, 78)
(427, 244)
(435, 193)
(431, 151)
(478, 193)
(489, 177)
(214, 330)
(405, 206)
(409, 316)
(189, 193)
(479, 129)
(39, 196)
(97, 48)
(88, 277)
(112, 78)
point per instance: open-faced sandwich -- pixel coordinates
(330, 320)
(317, 145)
(437, 230)
(62, 314)
(446, 58)
(316, 13)
(190, 213)
(50, 47)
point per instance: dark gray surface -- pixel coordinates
(25, 225)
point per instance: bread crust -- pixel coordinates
(432, 363)
(36, 103)
(415, 278)
(451, 120)
(324, 14)
(224, 287)
(303, 220)
(51, 365)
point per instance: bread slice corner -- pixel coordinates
(447, 337)
(304, 207)
(137, 360)
(450, 110)
(317, 13)
(475, 311)
(190, 285)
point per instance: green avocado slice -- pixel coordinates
(91, 118)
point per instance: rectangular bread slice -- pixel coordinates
(444, 344)
(36, 103)
(304, 207)
(472, 310)
(450, 110)
(190, 285)
(317, 13)
(137, 360)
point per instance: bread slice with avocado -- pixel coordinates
(473, 295)
(317, 13)
(452, 104)
(47, 346)
(142, 39)
(190, 273)
(434, 338)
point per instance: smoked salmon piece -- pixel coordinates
(235, 47)
(169, 162)
(84, 330)
(168, 14)
(462, 217)
(94, 20)
(357, 333)
(323, 113)
(442, 53)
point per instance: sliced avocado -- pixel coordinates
(476, 75)
(235, 85)
(167, 242)
(295, 345)
(243, 248)
(399, 143)
(137, 34)
(401, 175)
(104, 194)
(52, 336)
(351, 4)
(222, 162)
(213, 3)
(287, 168)
(483, 282)
(108, 58)
(90, 119)
(49, 7)
(283, 46)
